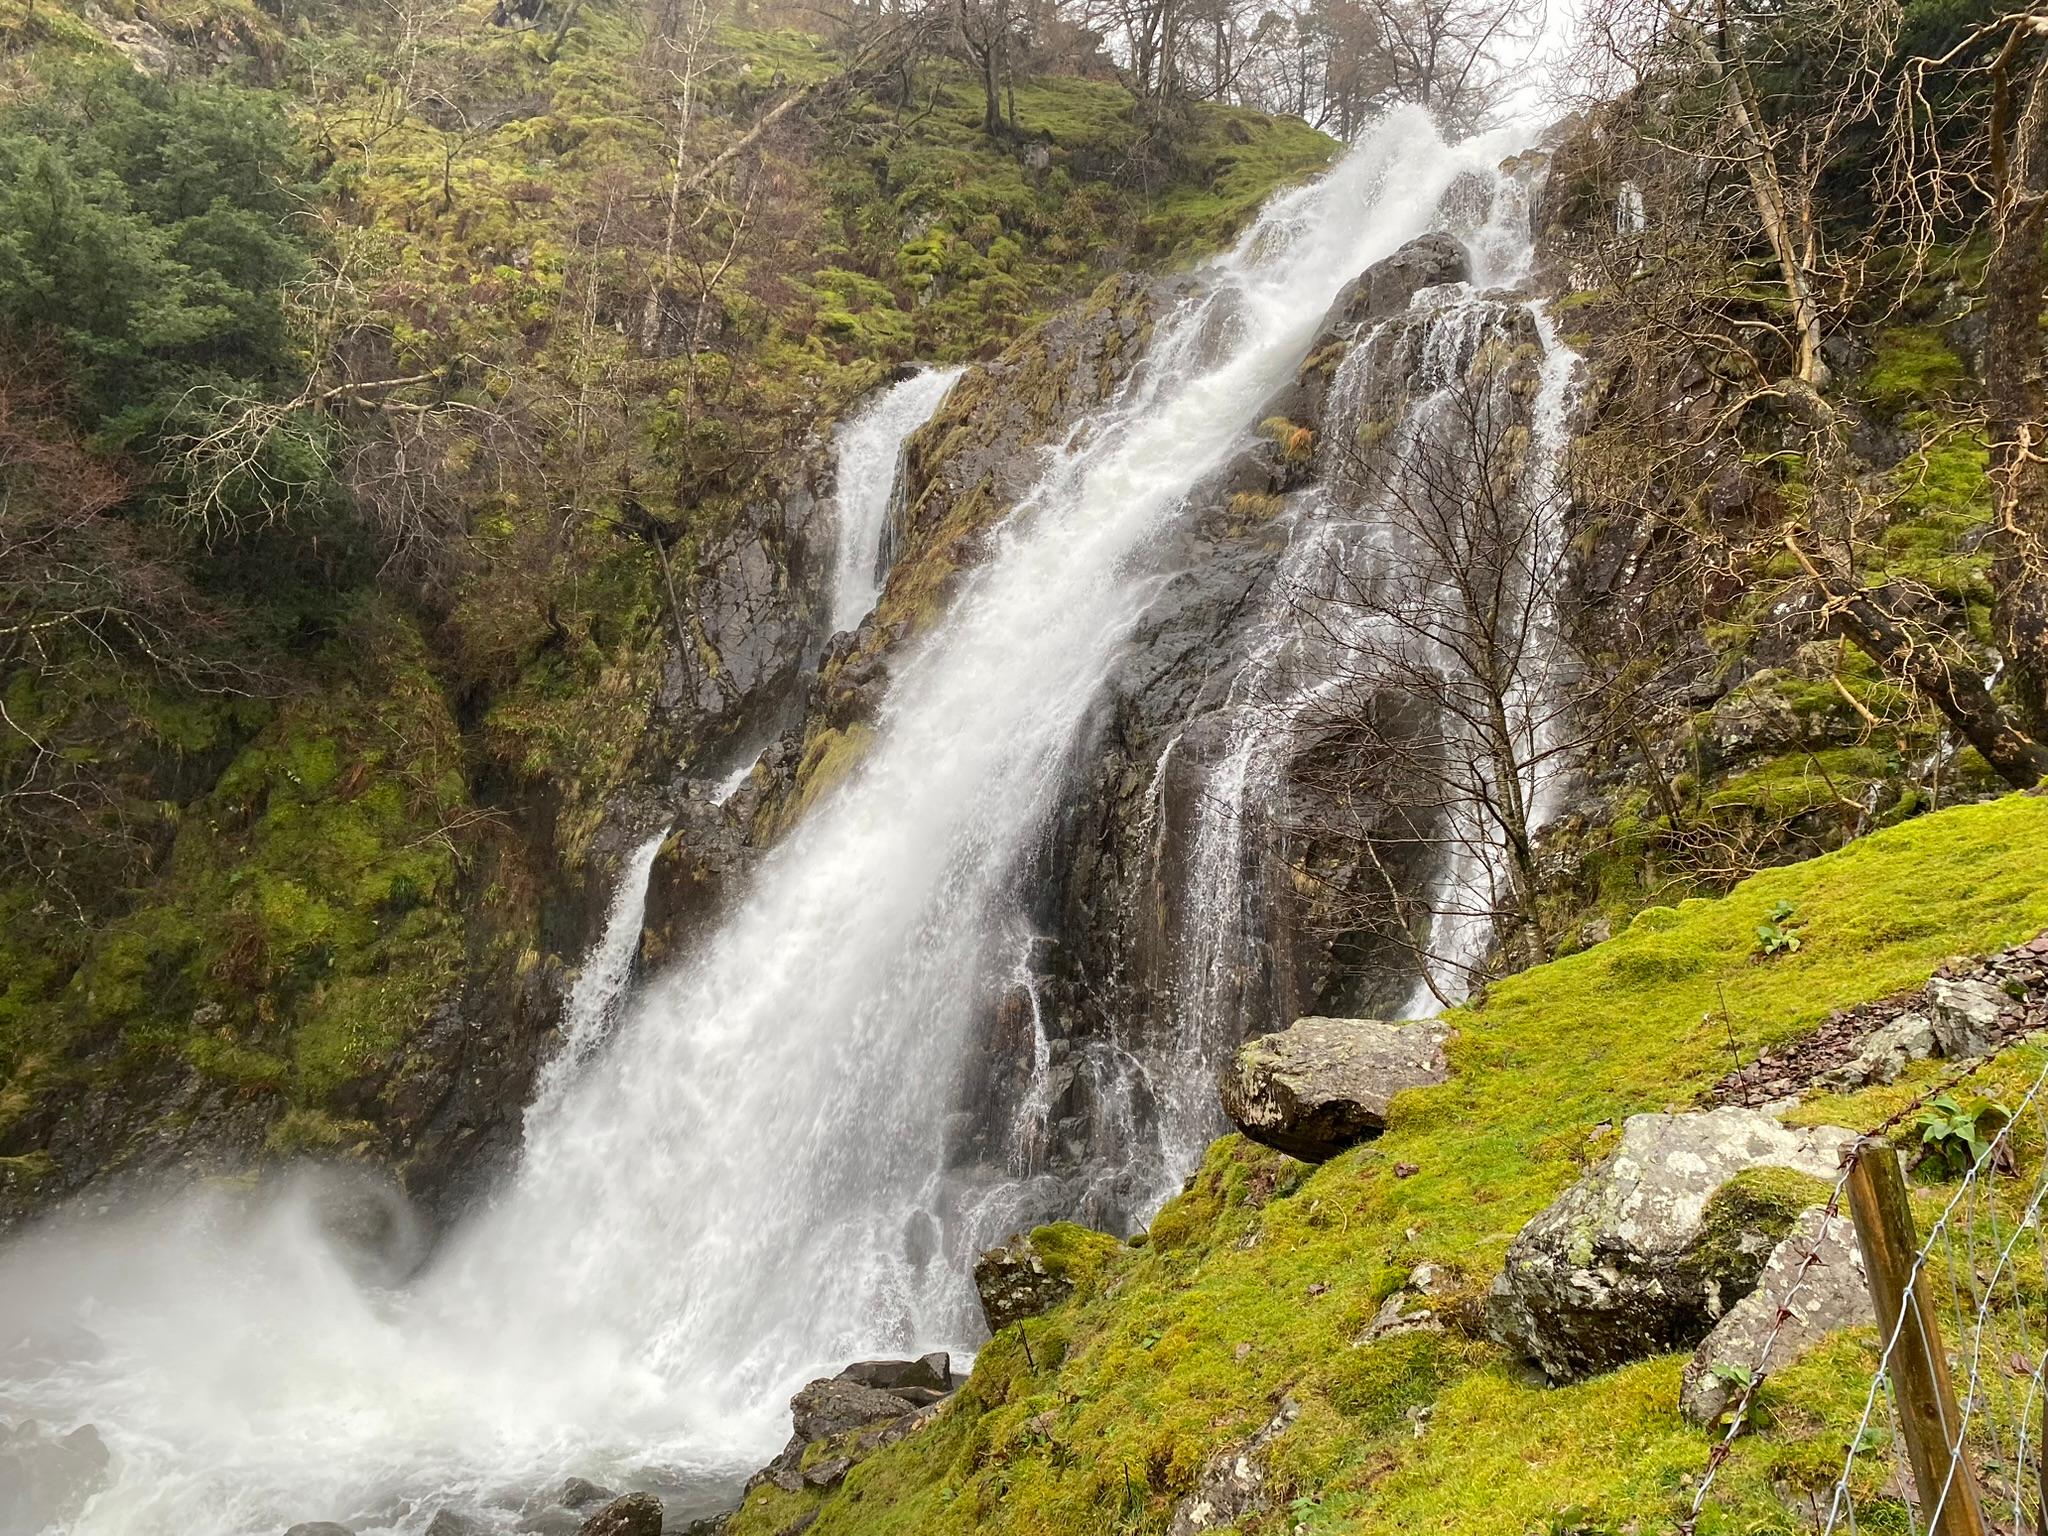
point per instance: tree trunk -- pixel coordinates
(2016, 391)
(1956, 690)
(1774, 210)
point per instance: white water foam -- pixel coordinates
(748, 1183)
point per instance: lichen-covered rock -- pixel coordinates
(1651, 1247)
(1830, 1292)
(1324, 1084)
(834, 1405)
(1232, 1484)
(1885, 1053)
(637, 1514)
(1036, 1271)
(1965, 1013)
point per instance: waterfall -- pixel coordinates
(596, 995)
(868, 452)
(750, 1182)
(1291, 666)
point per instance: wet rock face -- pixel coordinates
(1815, 1277)
(1324, 1084)
(1113, 893)
(700, 869)
(752, 605)
(1386, 288)
(1640, 1257)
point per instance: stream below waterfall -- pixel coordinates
(735, 1176)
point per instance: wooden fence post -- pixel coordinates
(1928, 1415)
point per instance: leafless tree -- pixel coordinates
(1446, 701)
(91, 602)
(1760, 96)
(1711, 156)
(1969, 139)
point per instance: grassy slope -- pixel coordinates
(1254, 1283)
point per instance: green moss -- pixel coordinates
(304, 924)
(1073, 1253)
(1750, 1215)
(1257, 1283)
(1911, 366)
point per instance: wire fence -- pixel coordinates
(1950, 1438)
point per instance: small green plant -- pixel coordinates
(1740, 1377)
(1778, 934)
(1955, 1137)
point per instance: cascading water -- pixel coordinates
(596, 996)
(751, 1181)
(1292, 664)
(868, 450)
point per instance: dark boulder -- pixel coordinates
(1385, 288)
(319, 1528)
(1324, 1085)
(931, 1372)
(836, 1405)
(45, 1476)
(637, 1514)
(581, 1493)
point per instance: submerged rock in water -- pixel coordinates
(581, 1493)
(1817, 1297)
(319, 1528)
(1647, 1251)
(45, 1476)
(637, 1514)
(1324, 1085)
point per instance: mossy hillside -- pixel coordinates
(305, 922)
(1257, 1283)
(968, 243)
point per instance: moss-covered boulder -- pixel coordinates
(1812, 1284)
(1035, 1271)
(1647, 1251)
(1323, 1085)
